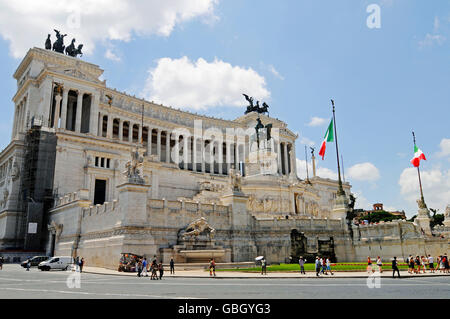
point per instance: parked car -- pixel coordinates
(59, 262)
(34, 261)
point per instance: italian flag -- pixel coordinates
(329, 137)
(418, 155)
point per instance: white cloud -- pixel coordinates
(435, 183)
(306, 141)
(275, 72)
(431, 39)
(110, 55)
(200, 84)
(317, 121)
(364, 172)
(320, 171)
(26, 23)
(361, 202)
(445, 148)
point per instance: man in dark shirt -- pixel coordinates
(172, 267)
(395, 267)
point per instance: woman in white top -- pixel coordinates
(379, 264)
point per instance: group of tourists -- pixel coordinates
(323, 266)
(417, 264)
(144, 267)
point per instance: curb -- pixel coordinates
(262, 277)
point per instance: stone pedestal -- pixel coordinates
(447, 216)
(262, 162)
(340, 208)
(423, 220)
(133, 204)
(243, 247)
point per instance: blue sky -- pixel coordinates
(296, 55)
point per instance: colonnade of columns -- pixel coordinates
(73, 111)
(201, 155)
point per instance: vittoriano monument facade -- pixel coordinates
(94, 172)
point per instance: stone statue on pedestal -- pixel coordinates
(236, 181)
(133, 172)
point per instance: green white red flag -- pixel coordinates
(329, 137)
(418, 155)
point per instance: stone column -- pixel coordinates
(286, 168)
(185, 152)
(202, 151)
(120, 130)
(293, 160)
(79, 112)
(176, 151)
(158, 144)
(280, 165)
(64, 107)
(109, 127)
(228, 156)
(194, 154)
(99, 124)
(220, 156)
(93, 125)
(236, 160)
(57, 106)
(211, 157)
(130, 132)
(167, 146)
(149, 141)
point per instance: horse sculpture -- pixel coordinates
(72, 51)
(58, 46)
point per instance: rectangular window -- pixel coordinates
(100, 191)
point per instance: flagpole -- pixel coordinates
(340, 189)
(418, 173)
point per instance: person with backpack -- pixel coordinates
(395, 267)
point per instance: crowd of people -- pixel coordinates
(323, 266)
(415, 265)
(156, 269)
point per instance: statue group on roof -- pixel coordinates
(58, 45)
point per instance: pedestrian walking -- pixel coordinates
(212, 268)
(395, 268)
(324, 266)
(144, 267)
(1, 262)
(379, 264)
(369, 265)
(28, 264)
(424, 262)
(263, 267)
(411, 265)
(431, 263)
(301, 262)
(329, 266)
(161, 270)
(317, 266)
(172, 267)
(77, 263)
(81, 264)
(139, 268)
(446, 264)
(154, 268)
(418, 264)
